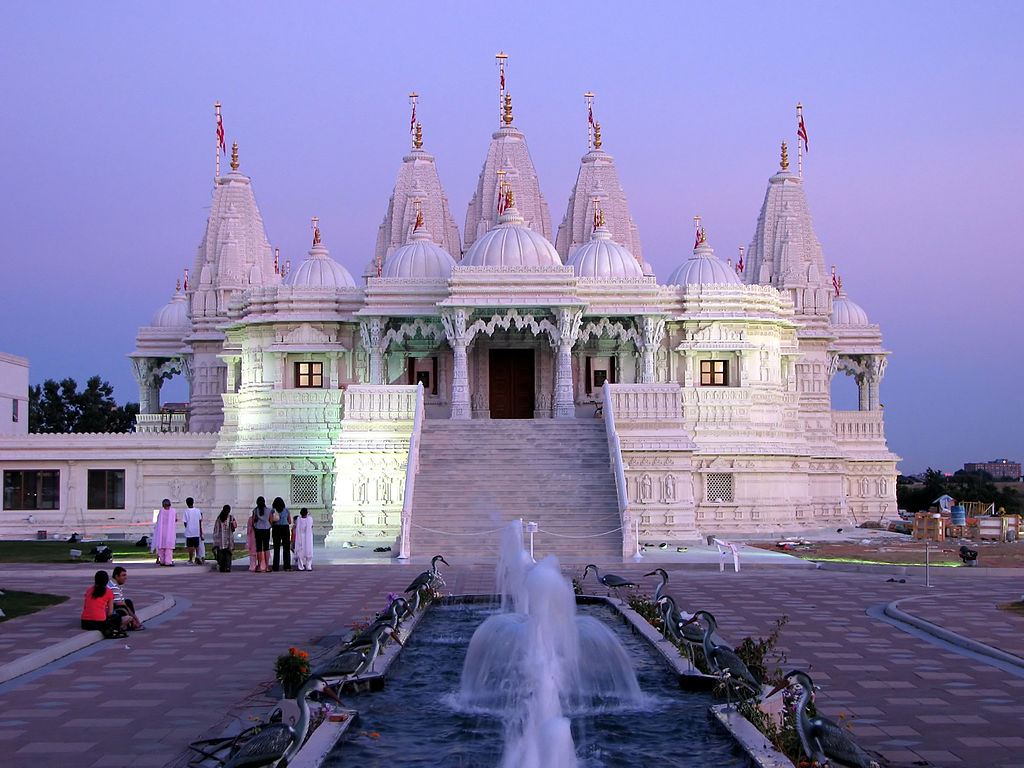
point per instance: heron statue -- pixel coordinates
(664, 580)
(825, 742)
(279, 742)
(353, 662)
(677, 624)
(609, 580)
(431, 578)
(722, 660)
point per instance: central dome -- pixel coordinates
(511, 244)
(847, 312)
(703, 268)
(603, 257)
(173, 314)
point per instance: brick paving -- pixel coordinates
(207, 664)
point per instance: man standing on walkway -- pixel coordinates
(165, 533)
(123, 605)
(193, 519)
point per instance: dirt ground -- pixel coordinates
(874, 546)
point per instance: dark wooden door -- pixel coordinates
(511, 383)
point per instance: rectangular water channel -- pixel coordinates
(414, 720)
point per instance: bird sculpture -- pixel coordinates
(431, 578)
(353, 662)
(664, 580)
(609, 580)
(365, 638)
(678, 626)
(277, 743)
(722, 660)
(399, 608)
(825, 742)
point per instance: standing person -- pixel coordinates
(281, 526)
(122, 604)
(193, 520)
(302, 540)
(223, 538)
(261, 532)
(98, 609)
(250, 543)
(165, 533)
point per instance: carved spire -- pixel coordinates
(234, 156)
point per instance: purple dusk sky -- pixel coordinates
(914, 111)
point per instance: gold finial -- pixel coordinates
(316, 230)
(418, 141)
(507, 117)
(234, 156)
(785, 157)
(597, 135)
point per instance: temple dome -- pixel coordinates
(703, 268)
(603, 257)
(511, 244)
(173, 314)
(421, 257)
(847, 312)
(320, 271)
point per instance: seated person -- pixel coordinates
(98, 611)
(123, 605)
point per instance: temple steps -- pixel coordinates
(477, 476)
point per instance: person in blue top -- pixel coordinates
(280, 533)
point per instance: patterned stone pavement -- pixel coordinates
(207, 664)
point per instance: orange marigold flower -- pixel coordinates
(303, 655)
(374, 735)
(292, 650)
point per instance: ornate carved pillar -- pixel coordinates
(569, 322)
(458, 338)
(372, 333)
(875, 366)
(149, 385)
(652, 331)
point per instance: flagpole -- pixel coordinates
(590, 119)
(412, 123)
(501, 57)
(799, 142)
(216, 139)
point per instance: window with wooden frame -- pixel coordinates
(106, 489)
(32, 489)
(309, 375)
(714, 373)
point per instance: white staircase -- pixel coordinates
(477, 476)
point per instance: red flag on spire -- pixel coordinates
(590, 117)
(801, 131)
(835, 283)
(739, 265)
(220, 134)
(412, 122)
(503, 78)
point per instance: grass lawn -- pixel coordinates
(22, 603)
(59, 552)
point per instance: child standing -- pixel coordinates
(302, 540)
(193, 520)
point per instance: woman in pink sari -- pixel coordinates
(165, 533)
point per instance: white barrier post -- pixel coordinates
(531, 528)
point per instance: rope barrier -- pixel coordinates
(569, 536)
(457, 533)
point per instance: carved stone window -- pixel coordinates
(714, 373)
(305, 491)
(720, 487)
(309, 375)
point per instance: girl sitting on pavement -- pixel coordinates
(98, 611)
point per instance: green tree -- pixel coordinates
(59, 407)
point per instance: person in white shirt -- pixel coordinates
(193, 519)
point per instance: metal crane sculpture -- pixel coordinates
(354, 662)
(432, 579)
(825, 742)
(723, 661)
(664, 580)
(677, 625)
(609, 580)
(278, 742)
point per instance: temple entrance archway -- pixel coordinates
(511, 380)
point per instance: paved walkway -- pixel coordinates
(206, 664)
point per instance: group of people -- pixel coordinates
(106, 608)
(275, 524)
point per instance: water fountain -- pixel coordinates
(536, 662)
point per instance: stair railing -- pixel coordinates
(411, 468)
(615, 454)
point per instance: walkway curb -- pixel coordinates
(893, 611)
(30, 662)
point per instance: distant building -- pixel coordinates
(13, 395)
(1000, 469)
